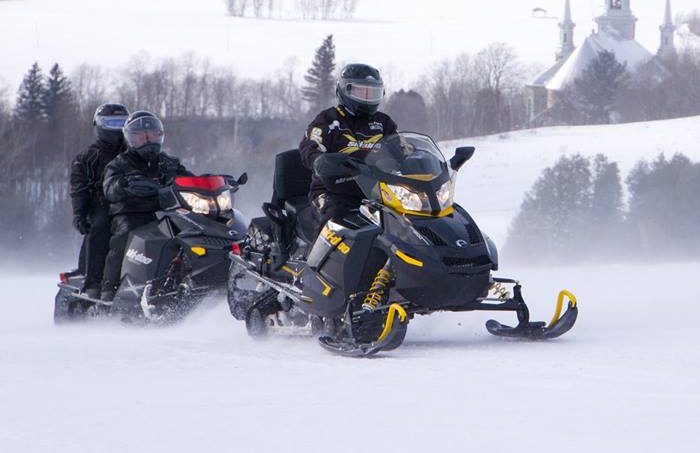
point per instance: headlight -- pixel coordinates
(408, 199)
(225, 201)
(445, 195)
(198, 203)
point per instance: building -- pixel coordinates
(616, 33)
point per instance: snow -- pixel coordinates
(624, 378)
(404, 38)
(491, 185)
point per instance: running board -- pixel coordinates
(290, 291)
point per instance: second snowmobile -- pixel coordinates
(171, 263)
(408, 250)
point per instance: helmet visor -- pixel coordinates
(110, 123)
(366, 94)
(143, 131)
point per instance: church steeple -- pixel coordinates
(566, 34)
(667, 47)
(618, 19)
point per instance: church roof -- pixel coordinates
(564, 73)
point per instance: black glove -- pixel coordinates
(141, 187)
(81, 224)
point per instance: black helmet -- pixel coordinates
(108, 122)
(144, 134)
(360, 89)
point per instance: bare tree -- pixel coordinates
(348, 8)
(258, 7)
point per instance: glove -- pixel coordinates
(81, 224)
(141, 187)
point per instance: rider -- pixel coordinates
(131, 184)
(353, 127)
(90, 208)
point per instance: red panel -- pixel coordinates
(208, 183)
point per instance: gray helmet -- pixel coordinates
(144, 134)
(360, 89)
(108, 122)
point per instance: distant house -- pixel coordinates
(616, 34)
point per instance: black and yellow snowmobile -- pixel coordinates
(408, 250)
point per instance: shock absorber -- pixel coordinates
(379, 289)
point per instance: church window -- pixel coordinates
(615, 4)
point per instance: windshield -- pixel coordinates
(408, 155)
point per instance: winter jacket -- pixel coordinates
(86, 174)
(335, 131)
(163, 171)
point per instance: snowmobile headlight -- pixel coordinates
(197, 203)
(406, 198)
(225, 201)
(446, 194)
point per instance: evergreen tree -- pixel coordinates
(606, 199)
(551, 220)
(58, 96)
(408, 109)
(598, 88)
(320, 82)
(664, 209)
(30, 97)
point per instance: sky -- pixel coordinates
(402, 37)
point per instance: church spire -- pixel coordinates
(566, 34)
(668, 29)
(618, 19)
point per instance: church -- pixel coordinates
(615, 33)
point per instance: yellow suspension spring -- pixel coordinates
(500, 291)
(376, 291)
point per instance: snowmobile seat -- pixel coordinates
(292, 178)
(291, 186)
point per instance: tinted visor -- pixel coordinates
(367, 94)
(143, 131)
(111, 123)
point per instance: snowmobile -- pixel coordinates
(171, 263)
(408, 250)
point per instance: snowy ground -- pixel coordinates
(418, 33)
(626, 379)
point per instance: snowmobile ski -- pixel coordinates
(558, 326)
(392, 335)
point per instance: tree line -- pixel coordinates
(576, 211)
(218, 121)
(305, 9)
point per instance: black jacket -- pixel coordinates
(333, 131)
(131, 164)
(86, 174)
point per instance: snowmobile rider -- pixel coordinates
(353, 127)
(131, 184)
(90, 208)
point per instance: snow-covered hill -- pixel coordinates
(504, 167)
(403, 37)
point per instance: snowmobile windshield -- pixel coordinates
(414, 177)
(408, 155)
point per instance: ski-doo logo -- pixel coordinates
(137, 257)
(376, 126)
(462, 243)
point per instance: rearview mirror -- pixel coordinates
(462, 155)
(242, 179)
